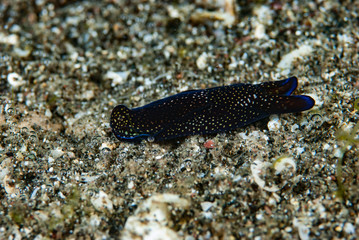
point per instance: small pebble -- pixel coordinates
(15, 80)
(209, 144)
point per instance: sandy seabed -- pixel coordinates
(66, 64)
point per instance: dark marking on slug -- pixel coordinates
(207, 111)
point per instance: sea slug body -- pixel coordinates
(207, 111)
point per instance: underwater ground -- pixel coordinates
(66, 64)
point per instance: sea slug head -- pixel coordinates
(123, 125)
